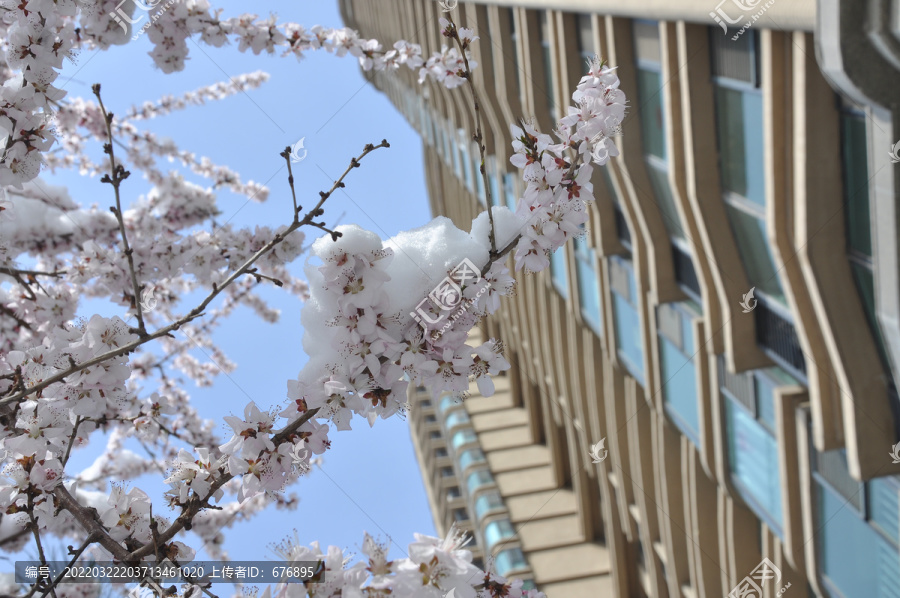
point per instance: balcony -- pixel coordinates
(776, 334)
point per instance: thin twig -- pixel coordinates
(115, 178)
(77, 554)
(453, 33)
(37, 538)
(199, 310)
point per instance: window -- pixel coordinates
(453, 493)
(629, 347)
(488, 502)
(856, 210)
(585, 36)
(514, 42)
(679, 371)
(430, 419)
(739, 129)
(446, 472)
(546, 54)
(465, 159)
(509, 190)
(858, 541)
(558, 274)
(460, 515)
(447, 402)
(751, 443)
(434, 434)
(476, 173)
(463, 437)
(493, 181)
(497, 531)
(423, 402)
(588, 284)
(456, 418)
(440, 452)
(510, 560)
(478, 479)
(470, 457)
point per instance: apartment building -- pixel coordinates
(749, 434)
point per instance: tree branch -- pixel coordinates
(115, 178)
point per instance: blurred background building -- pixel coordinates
(739, 427)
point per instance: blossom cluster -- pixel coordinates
(40, 34)
(378, 316)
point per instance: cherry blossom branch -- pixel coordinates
(76, 555)
(35, 529)
(115, 178)
(308, 220)
(196, 504)
(462, 42)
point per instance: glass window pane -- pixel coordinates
(853, 556)
(463, 437)
(447, 402)
(753, 459)
(628, 325)
(734, 58)
(497, 531)
(865, 286)
(510, 560)
(509, 189)
(765, 401)
(588, 285)
(884, 510)
(659, 178)
(470, 457)
(750, 233)
(585, 35)
(856, 183)
(456, 418)
(651, 101)
(646, 40)
(495, 187)
(679, 377)
(558, 271)
(739, 129)
(487, 502)
(478, 479)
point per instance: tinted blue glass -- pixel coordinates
(495, 188)
(510, 560)
(588, 285)
(478, 479)
(739, 114)
(884, 510)
(509, 190)
(765, 401)
(753, 458)
(558, 271)
(457, 417)
(679, 375)
(463, 437)
(497, 531)
(486, 503)
(470, 457)
(447, 402)
(628, 330)
(853, 556)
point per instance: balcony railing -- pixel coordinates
(777, 334)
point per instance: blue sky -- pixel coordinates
(370, 479)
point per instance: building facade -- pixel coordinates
(728, 324)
